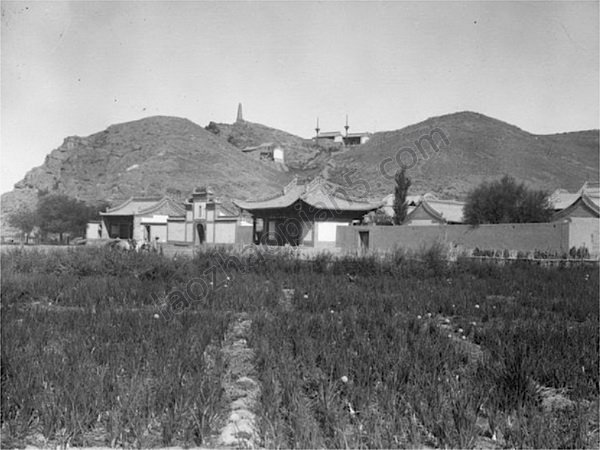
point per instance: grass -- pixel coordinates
(363, 363)
(86, 362)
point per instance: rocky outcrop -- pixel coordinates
(152, 156)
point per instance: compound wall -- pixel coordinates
(524, 237)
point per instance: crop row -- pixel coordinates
(107, 348)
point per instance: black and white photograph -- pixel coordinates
(299, 224)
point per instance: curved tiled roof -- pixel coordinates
(318, 193)
(146, 205)
(584, 200)
(561, 198)
(131, 206)
(450, 210)
(441, 210)
(166, 206)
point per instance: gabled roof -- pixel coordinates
(146, 205)
(131, 206)
(319, 193)
(584, 201)
(365, 133)
(592, 192)
(450, 210)
(165, 207)
(445, 211)
(424, 206)
(561, 198)
(224, 210)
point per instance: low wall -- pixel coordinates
(525, 237)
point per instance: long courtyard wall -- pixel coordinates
(553, 237)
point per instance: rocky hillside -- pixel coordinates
(471, 148)
(152, 156)
(301, 155)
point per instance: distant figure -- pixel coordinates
(351, 278)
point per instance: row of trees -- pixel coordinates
(500, 201)
(55, 213)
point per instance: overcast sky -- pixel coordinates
(73, 68)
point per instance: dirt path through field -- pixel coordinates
(241, 388)
(241, 391)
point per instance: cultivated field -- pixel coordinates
(105, 348)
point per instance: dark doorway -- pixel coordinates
(363, 237)
(201, 236)
(120, 227)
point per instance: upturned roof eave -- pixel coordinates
(362, 207)
(587, 203)
(429, 210)
(165, 200)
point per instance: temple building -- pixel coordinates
(202, 219)
(140, 218)
(304, 214)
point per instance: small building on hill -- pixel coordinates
(333, 136)
(267, 151)
(348, 139)
(304, 214)
(356, 138)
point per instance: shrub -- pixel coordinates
(506, 201)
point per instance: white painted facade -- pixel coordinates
(278, 155)
(327, 231)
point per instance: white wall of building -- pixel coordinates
(159, 231)
(583, 232)
(176, 231)
(327, 231)
(278, 155)
(225, 232)
(93, 230)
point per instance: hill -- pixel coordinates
(152, 156)
(168, 155)
(471, 148)
(302, 156)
